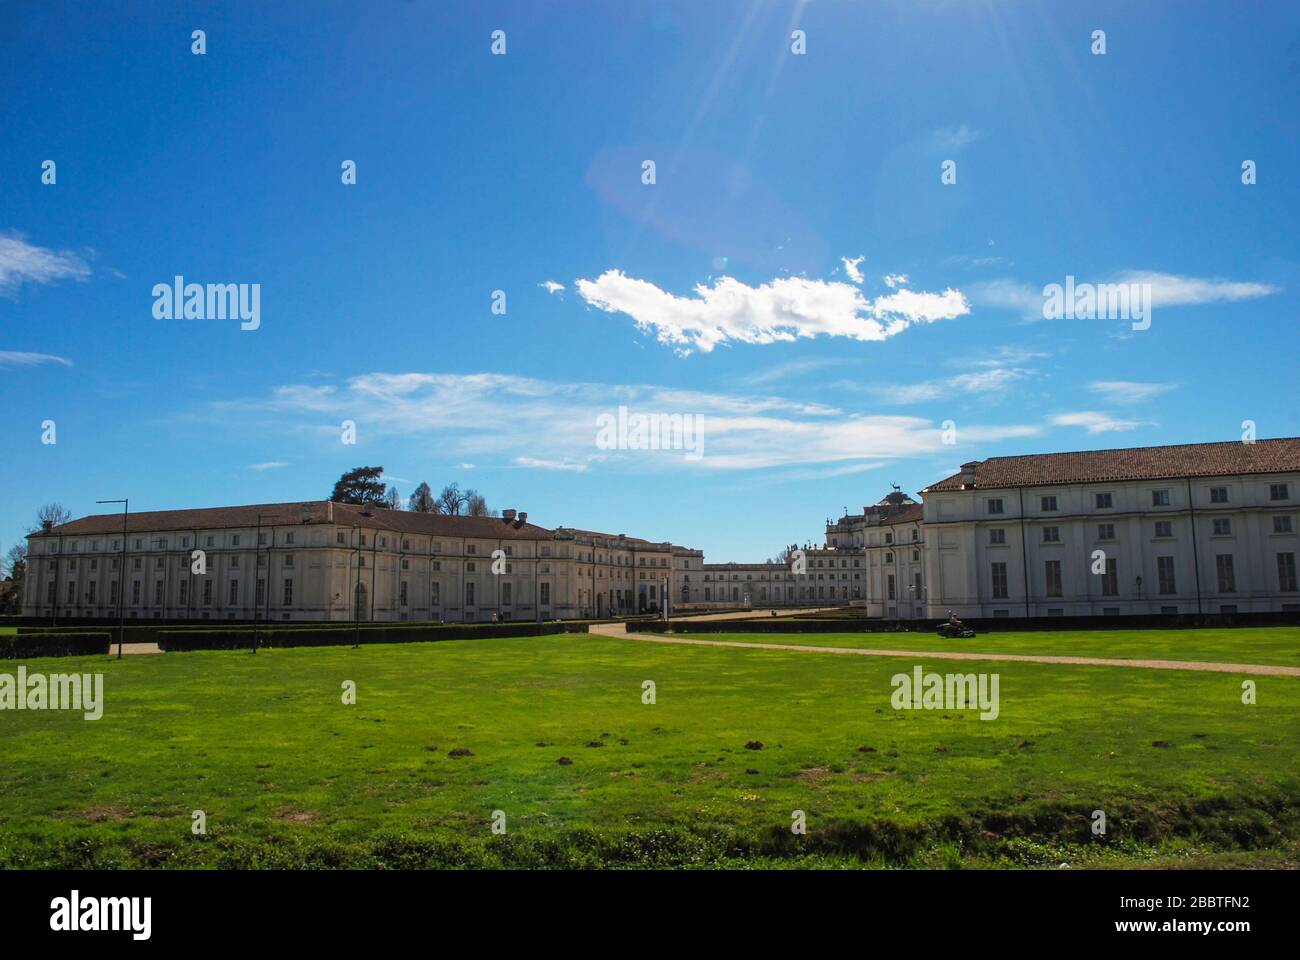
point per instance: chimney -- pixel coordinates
(968, 473)
(507, 515)
(523, 517)
(47, 525)
(329, 511)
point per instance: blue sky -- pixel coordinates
(729, 289)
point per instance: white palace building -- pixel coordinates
(1187, 529)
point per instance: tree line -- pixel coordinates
(365, 486)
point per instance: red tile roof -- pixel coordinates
(298, 514)
(1226, 459)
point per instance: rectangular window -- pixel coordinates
(288, 593)
(234, 540)
(135, 592)
(1110, 579)
(1227, 576)
(1051, 534)
(91, 587)
(339, 538)
(260, 596)
(505, 593)
(50, 595)
(157, 593)
(997, 535)
(1164, 528)
(1286, 579)
(1278, 491)
(1047, 504)
(207, 593)
(999, 571)
(1281, 524)
(1105, 531)
(288, 537)
(288, 559)
(183, 591)
(1165, 575)
(1218, 494)
(1222, 527)
(1052, 577)
(401, 593)
(234, 563)
(995, 506)
(234, 592)
(1159, 498)
(1105, 501)
(72, 591)
(546, 594)
(435, 593)
(890, 586)
(469, 594)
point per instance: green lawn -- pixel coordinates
(289, 776)
(1270, 645)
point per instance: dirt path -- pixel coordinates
(1267, 670)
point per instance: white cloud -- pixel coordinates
(553, 424)
(22, 262)
(993, 379)
(1167, 290)
(1172, 290)
(1129, 391)
(851, 268)
(541, 464)
(1097, 422)
(896, 280)
(550, 286)
(18, 358)
(952, 139)
(783, 309)
(268, 465)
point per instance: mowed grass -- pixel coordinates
(1279, 646)
(287, 775)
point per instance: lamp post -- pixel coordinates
(121, 577)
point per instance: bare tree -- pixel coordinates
(55, 513)
(476, 505)
(451, 500)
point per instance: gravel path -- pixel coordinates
(620, 630)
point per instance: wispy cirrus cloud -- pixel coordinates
(1167, 290)
(268, 465)
(781, 310)
(19, 358)
(1129, 391)
(1095, 422)
(995, 379)
(22, 262)
(552, 425)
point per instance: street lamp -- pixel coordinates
(121, 577)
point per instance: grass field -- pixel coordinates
(288, 775)
(1271, 645)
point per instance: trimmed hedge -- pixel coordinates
(178, 641)
(978, 624)
(24, 645)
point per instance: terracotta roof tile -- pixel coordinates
(1226, 459)
(298, 514)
